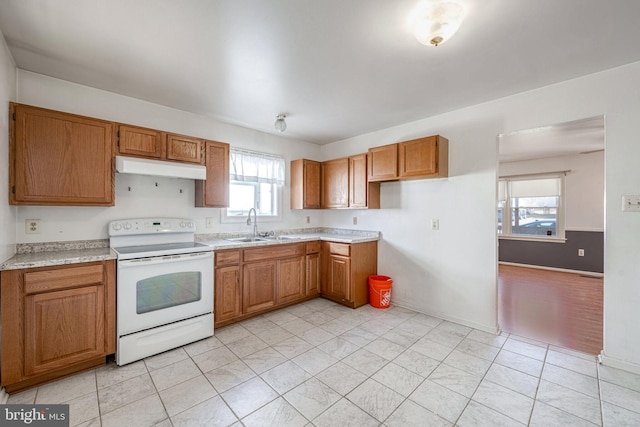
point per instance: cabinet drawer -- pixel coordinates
(313, 247)
(275, 251)
(343, 249)
(227, 258)
(51, 280)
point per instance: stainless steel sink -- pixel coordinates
(288, 238)
(247, 239)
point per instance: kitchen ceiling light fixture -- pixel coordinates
(437, 22)
(280, 124)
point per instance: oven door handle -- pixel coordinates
(139, 262)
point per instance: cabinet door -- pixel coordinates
(418, 157)
(259, 285)
(383, 163)
(184, 148)
(358, 181)
(60, 159)
(214, 191)
(291, 279)
(335, 183)
(313, 274)
(305, 184)
(339, 271)
(227, 294)
(141, 142)
(62, 328)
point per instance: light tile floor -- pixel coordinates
(318, 363)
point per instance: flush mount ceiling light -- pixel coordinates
(280, 124)
(437, 22)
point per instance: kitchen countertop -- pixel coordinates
(31, 255)
(220, 242)
(61, 257)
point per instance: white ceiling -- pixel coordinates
(338, 68)
(579, 136)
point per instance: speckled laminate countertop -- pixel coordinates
(31, 255)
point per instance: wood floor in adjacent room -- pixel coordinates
(560, 308)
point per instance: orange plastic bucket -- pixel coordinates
(380, 291)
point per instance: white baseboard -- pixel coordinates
(562, 270)
(4, 396)
(492, 330)
(619, 364)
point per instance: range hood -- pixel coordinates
(137, 166)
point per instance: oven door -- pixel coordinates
(160, 290)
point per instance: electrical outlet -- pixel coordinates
(630, 203)
(580, 252)
(308, 220)
(435, 224)
(208, 222)
(355, 220)
(32, 226)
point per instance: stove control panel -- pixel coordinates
(151, 226)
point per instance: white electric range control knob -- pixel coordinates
(127, 226)
(190, 224)
(116, 226)
(183, 224)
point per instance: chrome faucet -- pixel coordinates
(255, 222)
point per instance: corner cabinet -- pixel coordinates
(60, 159)
(214, 191)
(305, 184)
(418, 158)
(345, 271)
(56, 321)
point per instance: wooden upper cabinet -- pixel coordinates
(141, 142)
(185, 148)
(335, 183)
(60, 159)
(383, 163)
(424, 157)
(362, 193)
(418, 158)
(214, 191)
(305, 184)
(154, 144)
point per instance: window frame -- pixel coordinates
(506, 222)
(225, 218)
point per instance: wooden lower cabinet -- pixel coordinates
(345, 271)
(291, 279)
(313, 268)
(255, 280)
(259, 285)
(56, 321)
(252, 281)
(228, 293)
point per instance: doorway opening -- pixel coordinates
(550, 234)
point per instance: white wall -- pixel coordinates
(7, 93)
(584, 186)
(145, 198)
(452, 272)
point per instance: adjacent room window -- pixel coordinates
(256, 180)
(531, 206)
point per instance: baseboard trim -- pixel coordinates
(4, 396)
(562, 270)
(404, 304)
(617, 363)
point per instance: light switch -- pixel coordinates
(435, 224)
(630, 203)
